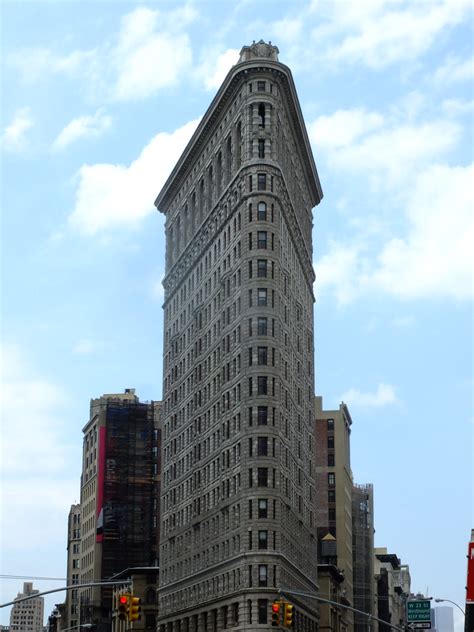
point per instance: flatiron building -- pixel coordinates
(238, 522)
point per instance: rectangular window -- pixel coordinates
(331, 460)
(262, 575)
(263, 539)
(262, 355)
(262, 385)
(261, 86)
(250, 183)
(250, 269)
(262, 610)
(261, 267)
(261, 181)
(331, 495)
(250, 477)
(262, 296)
(262, 212)
(331, 441)
(330, 424)
(250, 356)
(262, 418)
(262, 446)
(262, 239)
(331, 479)
(262, 508)
(261, 148)
(250, 241)
(332, 514)
(261, 326)
(262, 477)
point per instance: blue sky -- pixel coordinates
(98, 101)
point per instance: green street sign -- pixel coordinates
(419, 610)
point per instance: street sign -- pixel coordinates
(419, 611)
(423, 624)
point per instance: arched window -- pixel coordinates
(150, 595)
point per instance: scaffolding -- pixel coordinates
(362, 545)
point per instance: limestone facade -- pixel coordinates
(237, 504)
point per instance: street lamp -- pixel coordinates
(453, 602)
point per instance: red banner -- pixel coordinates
(100, 485)
(470, 573)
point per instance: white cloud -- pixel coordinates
(343, 127)
(435, 258)
(83, 127)
(383, 396)
(150, 51)
(33, 411)
(84, 347)
(117, 196)
(33, 64)
(14, 134)
(378, 33)
(386, 148)
(454, 69)
(432, 259)
(457, 107)
(215, 67)
(35, 459)
(146, 58)
(338, 270)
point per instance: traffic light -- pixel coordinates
(288, 615)
(135, 608)
(276, 610)
(124, 607)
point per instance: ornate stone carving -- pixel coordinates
(259, 50)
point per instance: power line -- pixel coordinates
(61, 579)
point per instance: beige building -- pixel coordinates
(333, 500)
(70, 615)
(238, 489)
(141, 583)
(27, 616)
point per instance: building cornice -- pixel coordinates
(236, 75)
